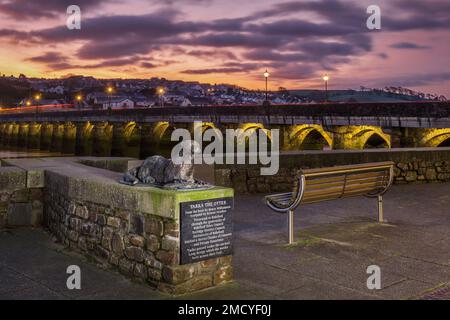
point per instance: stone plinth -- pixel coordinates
(135, 230)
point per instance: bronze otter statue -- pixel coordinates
(164, 173)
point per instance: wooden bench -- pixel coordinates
(316, 185)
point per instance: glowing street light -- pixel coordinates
(37, 97)
(266, 76)
(161, 91)
(79, 98)
(28, 103)
(109, 90)
(325, 79)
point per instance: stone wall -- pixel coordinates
(21, 203)
(424, 165)
(134, 230)
(143, 247)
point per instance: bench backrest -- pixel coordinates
(344, 181)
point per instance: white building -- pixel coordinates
(118, 103)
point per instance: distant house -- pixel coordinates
(199, 101)
(118, 103)
(175, 97)
(144, 103)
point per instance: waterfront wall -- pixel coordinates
(425, 165)
(21, 199)
(134, 230)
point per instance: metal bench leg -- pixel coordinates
(380, 209)
(291, 226)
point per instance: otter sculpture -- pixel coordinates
(163, 173)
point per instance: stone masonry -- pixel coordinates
(143, 247)
(19, 205)
(134, 230)
(411, 167)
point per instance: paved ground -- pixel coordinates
(337, 241)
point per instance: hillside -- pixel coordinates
(354, 96)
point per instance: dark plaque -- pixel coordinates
(206, 229)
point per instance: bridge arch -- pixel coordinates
(309, 137)
(247, 131)
(361, 137)
(250, 128)
(162, 133)
(435, 138)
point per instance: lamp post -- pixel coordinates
(266, 75)
(161, 92)
(79, 98)
(37, 97)
(109, 90)
(325, 79)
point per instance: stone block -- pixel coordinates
(154, 274)
(35, 179)
(134, 253)
(151, 262)
(137, 241)
(154, 226)
(117, 244)
(137, 224)
(12, 178)
(113, 222)
(223, 274)
(430, 174)
(153, 243)
(169, 243)
(178, 274)
(167, 257)
(82, 212)
(140, 271)
(411, 176)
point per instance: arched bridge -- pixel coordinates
(141, 132)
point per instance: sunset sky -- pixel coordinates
(233, 41)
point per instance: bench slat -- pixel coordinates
(341, 177)
(318, 186)
(376, 184)
(348, 168)
(347, 195)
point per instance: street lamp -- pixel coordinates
(266, 75)
(161, 92)
(325, 79)
(79, 98)
(109, 90)
(37, 97)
